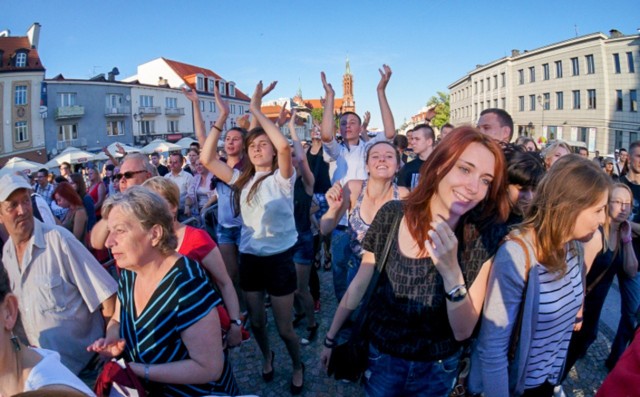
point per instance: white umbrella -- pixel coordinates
(113, 149)
(160, 146)
(70, 155)
(18, 164)
(185, 142)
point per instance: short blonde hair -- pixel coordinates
(166, 188)
(548, 152)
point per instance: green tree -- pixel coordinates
(316, 114)
(441, 103)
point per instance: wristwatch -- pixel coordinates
(457, 293)
(236, 321)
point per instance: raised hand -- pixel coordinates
(334, 196)
(223, 105)
(385, 76)
(292, 120)
(282, 117)
(366, 119)
(191, 95)
(256, 98)
(443, 249)
(120, 149)
(328, 89)
(269, 88)
(243, 121)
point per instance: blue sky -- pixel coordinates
(429, 44)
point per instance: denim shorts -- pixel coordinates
(388, 376)
(228, 235)
(275, 274)
(303, 250)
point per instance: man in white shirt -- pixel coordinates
(183, 179)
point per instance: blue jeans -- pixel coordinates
(340, 255)
(630, 302)
(354, 266)
(388, 376)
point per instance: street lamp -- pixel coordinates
(542, 102)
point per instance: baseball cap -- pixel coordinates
(11, 183)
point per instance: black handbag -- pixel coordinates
(349, 359)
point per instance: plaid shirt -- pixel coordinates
(46, 192)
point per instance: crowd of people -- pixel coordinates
(501, 255)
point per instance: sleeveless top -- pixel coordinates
(301, 207)
(357, 226)
(93, 192)
(69, 220)
(320, 169)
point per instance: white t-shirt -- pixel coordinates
(351, 161)
(50, 371)
(268, 227)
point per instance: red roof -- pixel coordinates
(9, 46)
(316, 104)
(188, 73)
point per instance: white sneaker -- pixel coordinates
(558, 391)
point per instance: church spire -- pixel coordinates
(348, 70)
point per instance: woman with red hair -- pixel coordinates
(76, 218)
(429, 296)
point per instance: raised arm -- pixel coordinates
(338, 199)
(307, 176)
(277, 139)
(114, 161)
(209, 154)
(254, 122)
(328, 125)
(387, 117)
(198, 121)
(364, 128)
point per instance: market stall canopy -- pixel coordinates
(18, 164)
(160, 146)
(185, 142)
(71, 155)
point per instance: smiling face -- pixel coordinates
(467, 183)
(382, 161)
(261, 151)
(589, 220)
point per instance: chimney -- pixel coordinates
(162, 82)
(112, 74)
(515, 53)
(34, 35)
(614, 33)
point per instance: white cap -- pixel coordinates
(11, 183)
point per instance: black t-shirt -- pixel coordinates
(635, 209)
(320, 169)
(162, 170)
(409, 175)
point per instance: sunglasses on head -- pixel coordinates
(127, 175)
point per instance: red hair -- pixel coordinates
(67, 192)
(495, 206)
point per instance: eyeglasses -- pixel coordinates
(619, 203)
(127, 175)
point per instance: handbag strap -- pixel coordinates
(515, 333)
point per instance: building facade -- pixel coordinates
(582, 89)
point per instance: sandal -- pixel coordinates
(311, 336)
(327, 261)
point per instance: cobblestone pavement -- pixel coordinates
(583, 380)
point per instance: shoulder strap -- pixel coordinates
(515, 333)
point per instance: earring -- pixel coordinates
(15, 342)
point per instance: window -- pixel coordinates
(632, 68)
(618, 139)
(521, 76)
(552, 131)
(211, 85)
(482, 85)
(221, 87)
(532, 102)
(583, 134)
(202, 106)
(20, 95)
(146, 101)
(488, 83)
(21, 59)
(618, 100)
(576, 99)
(232, 108)
(591, 96)
(495, 82)
(66, 99)
(232, 90)
(240, 110)
(532, 74)
(633, 136)
(545, 71)
(147, 127)
(633, 100)
(115, 128)
(558, 69)
(22, 133)
(616, 63)
(521, 103)
(200, 83)
(575, 67)
(172, 126)
(495, 103)
(67, 132)
(503, 77)
(591, 65)
(171, 103)
(559, 100)
(504, 103)
(546, 101)
(212, 107)
(114, 100)
(475, 87)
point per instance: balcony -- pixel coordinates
(117, 111)
(174, 111)
(78, 143)
(69, 112)
(149, 111)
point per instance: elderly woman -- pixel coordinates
(23, 368)
(164, 322)
(554, 151)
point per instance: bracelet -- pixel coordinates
(329, 343)
(146, 372)
(626, 240)
(217, 128)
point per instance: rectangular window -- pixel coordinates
(546, 101)
(504, 103)
(21, 132)
(632, 67)
(545, 71)
(115, 128)
(619, 100)
(67, 132)
(66, 99)
(146, 101)
(633, 136)
(20, 95)
(618, 139)
(21, 60)
(521, 76)
(147, 127)
(591, 96)
(200, 83)
(482, 85)
(503, 78)
(232, 90)
(583, 134)
(558, 69)
(575, 67)
(221, 87)
(532, 102)
(495, 103)
(171, 103)
(114, 100)
(212, 107)
(576, 99)
(616, 63)
(591, 65)
(633, 100)
(232, 108)
(172, 126)
(475, 87)
(559, 100)
(532, 74)
(521, 103)
(201, 106)
(495, 82)
(211, 85)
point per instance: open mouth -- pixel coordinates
(461, 197)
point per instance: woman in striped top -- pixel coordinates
(165, 323)
(568, 208)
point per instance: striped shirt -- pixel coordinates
(560, 300)
(182, 298)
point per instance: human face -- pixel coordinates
(620, 204)
(444, 131)
(382, 162)
(589, 220)
(584, 153)
(261, 152)
(175, 164)
(467, 183)
(559, 152)
(233, 143)
(634, 160)
(200, 168)
(530, 146)
(61, 201)
(608, 167)
(93, 175)
(130, 244)
(520, 198)
(64, 170)
(410, 140)
(350, 128)
(193, 156)
(138, 176)
(155, 160)
(16, 215)
(622, 157)
(489, 124)
(420, 143)
(42, 179)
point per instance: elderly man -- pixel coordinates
(59, 284)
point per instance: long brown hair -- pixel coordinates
(416, 207)
(571, 185)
